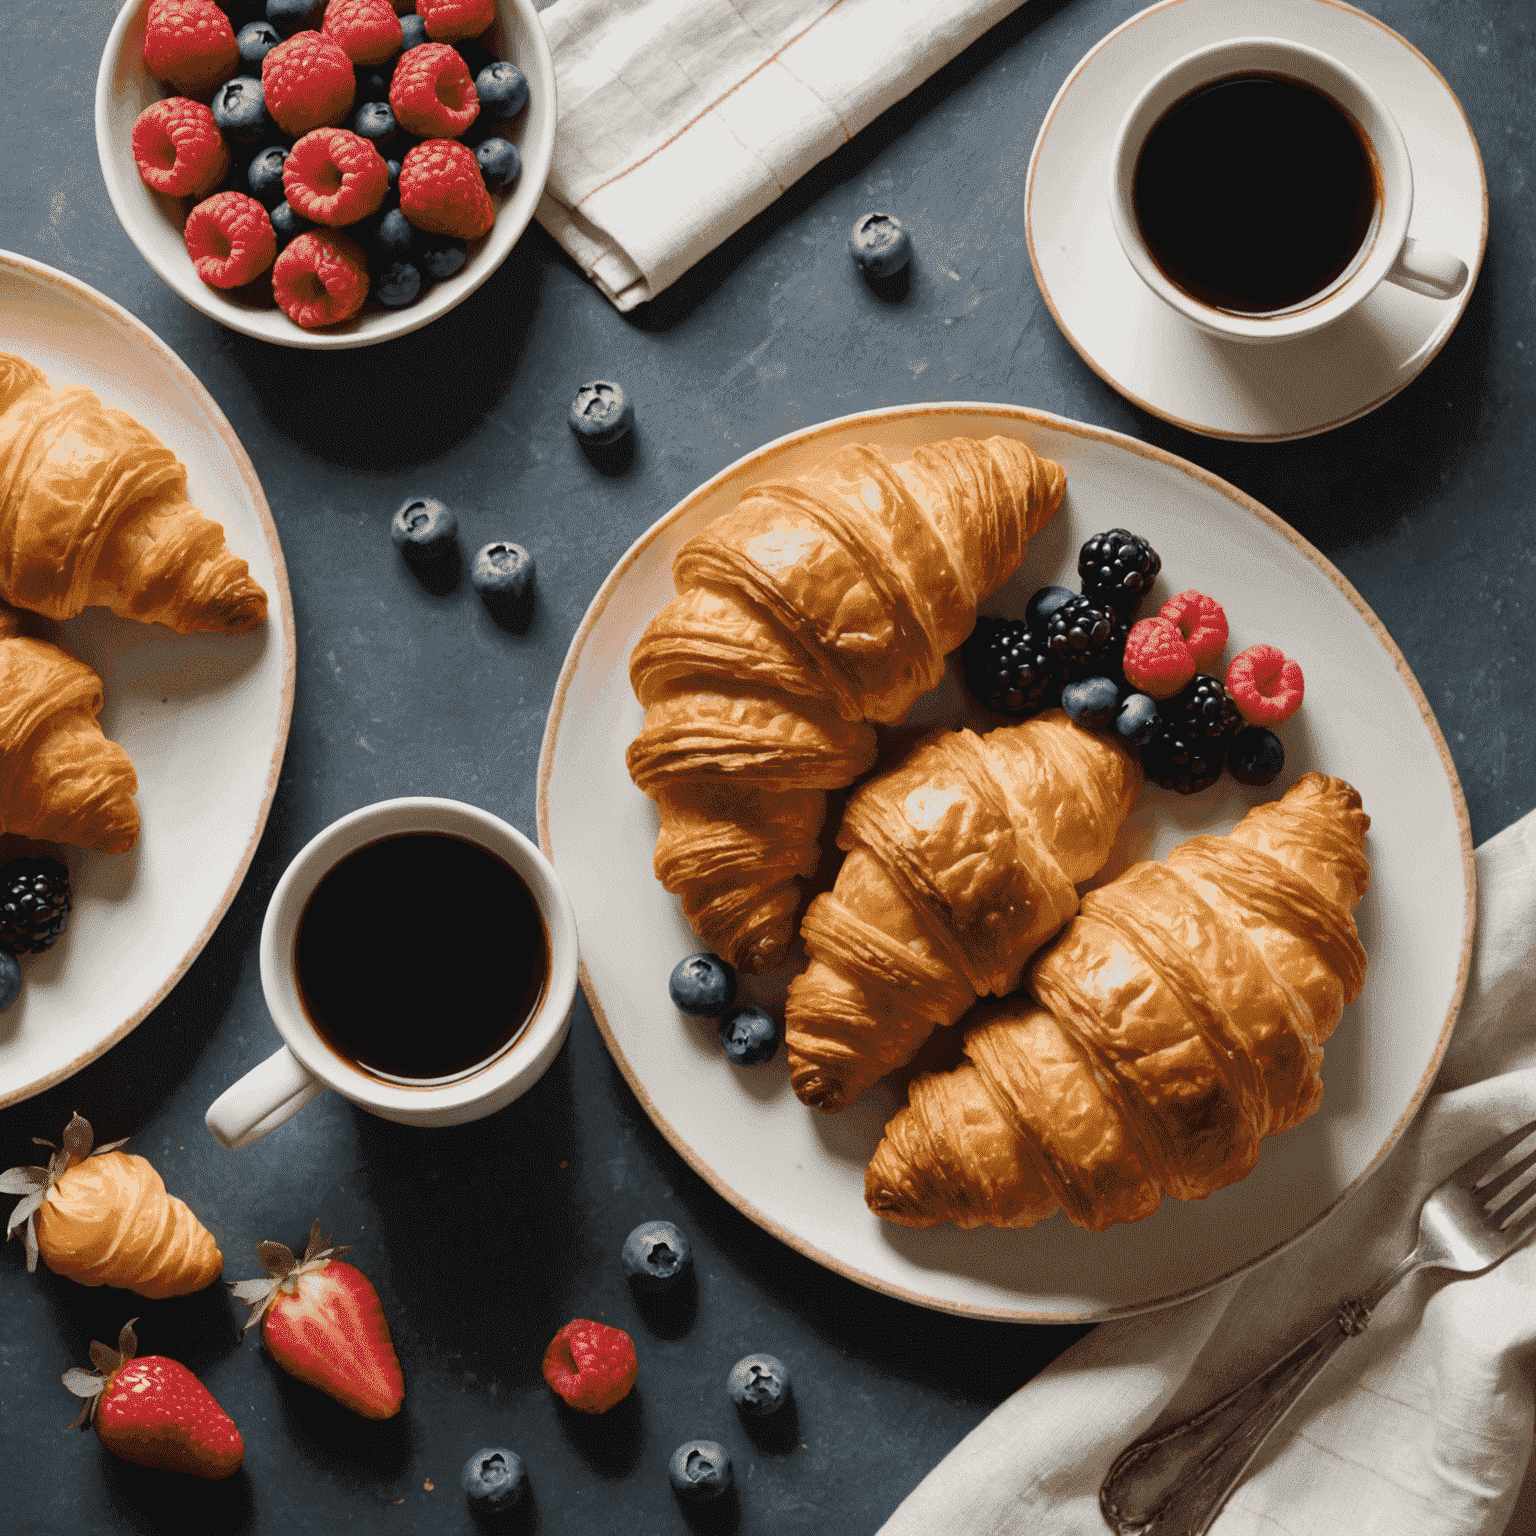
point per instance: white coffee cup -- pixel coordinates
(305, 1066)
(1388, 254)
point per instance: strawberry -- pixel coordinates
(322, 1322)
(154, 1411)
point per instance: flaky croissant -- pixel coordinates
(1181, 1019)
(819, 604)
(962, 861)
(61, 780)
(94, 512)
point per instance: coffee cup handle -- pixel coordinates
(266, 1096)
(1426, 269)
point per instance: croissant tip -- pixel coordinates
(822, 1093)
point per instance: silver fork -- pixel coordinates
(1175, 1482)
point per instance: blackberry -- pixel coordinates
(34, 904)
(1177, 759)
(1009, 669)
(1205, 709)
(1117, 567)
(1087, 639)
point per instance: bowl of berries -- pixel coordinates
(325, 173)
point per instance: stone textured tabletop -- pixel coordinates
(484, 1239)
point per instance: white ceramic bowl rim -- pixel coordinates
(368, 824)
(1272, 55)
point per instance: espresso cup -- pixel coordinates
(307, 1065)
(1388, 253)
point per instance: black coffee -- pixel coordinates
(421, 958)
(1255, 193)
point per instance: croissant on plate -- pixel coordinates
(61, 780)
(1180, 1019)
(816, 606)
(962, 861)
(94, 512)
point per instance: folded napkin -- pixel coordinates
(1421, 1426)
(681, 119)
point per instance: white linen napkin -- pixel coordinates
(681, 119)
(1421, 1426)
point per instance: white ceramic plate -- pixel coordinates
(204, 717)
(800, 1173)
(1152, 355)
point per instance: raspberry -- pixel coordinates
(1157, 659)
(441, 190)
(432, 94)
(591, 1365)
(230, 240)
(368, 31)
(450, 20)
(190, 45)
(178, 148)
(1202, 623)
(322, 277)
(334, 177)
(308, 83)
(1266, 684)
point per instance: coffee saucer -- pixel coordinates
(1162, 362)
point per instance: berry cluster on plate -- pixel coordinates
(34, 907)
(334, 149)
(1148, 679)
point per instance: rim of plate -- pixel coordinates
(750, 467)
(84, 293)
(1475, 267)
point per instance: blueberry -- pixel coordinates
(1093, 702)
(879, 245)
(255, 42)
(413, 32)
(442, 255)
(264, 175)
(703, 985)
(502, 89)
(286, 224)
(393, 167)
(290, 16)
(375, 122)
(424, 531)
(601, 413)
(1043, 604)
(1138, 719)
(500, 163)
(656, 1256)
(503, 575)
(759, 1385)
(700, 1471)
(397, 285)
(10, 984)
(393, 238)
(372, 81)
(493, 1481)
(1255, 756)
(749, 1035)
(240, 109)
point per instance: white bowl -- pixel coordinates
(154, 222)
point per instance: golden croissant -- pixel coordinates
(818, 605)
(1181, 1019)
(962, 861)
(105, 1218)
(61, 780)
(94, 512)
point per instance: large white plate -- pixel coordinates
(799, 1173)
(204, 717)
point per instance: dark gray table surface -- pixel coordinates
(484, 1239)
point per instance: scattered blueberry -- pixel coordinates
(392, 238)
(240, 109)
(10, 979)
(1044, 603)
(1255, 756)
(286, 224)
(373, 81)
(500, 163)
(397, 285)
(601, 413)
(656, 1256)
(290, 16)
(442, 255)
(424, 531)
(264, 175)
(375, 122)
(413, 32)
(759, 1385)
(879, 245)
(703, 985)
(749, 1035)
(1093, 702)
(494, 1481)
(1138, 719)
(503, 575)
(502, 89)
(700, 1471)
(255, 42)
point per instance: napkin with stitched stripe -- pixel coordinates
(1421, 1426)
(679, 120)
